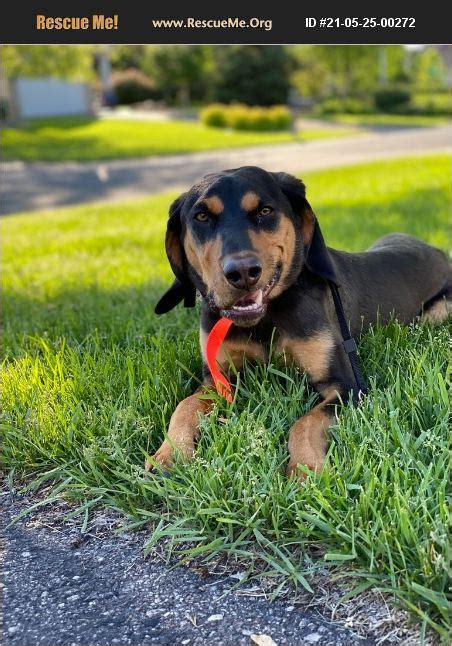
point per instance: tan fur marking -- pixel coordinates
(275, 247)
(307, 226)
(192, 252)
(183, 430)
(204, 259)
(311, 355)
(214, 204)
(438, 312)
(308, 441)
(328, 393)
(250, 201)
(235, 351)
(174, 250)
(238, 351)
(202, 342)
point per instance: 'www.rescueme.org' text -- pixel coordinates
(212, 23)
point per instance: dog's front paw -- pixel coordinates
(164, 457)
(314, 463)
(292, 471)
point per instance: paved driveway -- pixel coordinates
(26, 186)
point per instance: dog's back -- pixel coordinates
(397, 276)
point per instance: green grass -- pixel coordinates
(396, 120)
(79, 139)
(91, 377)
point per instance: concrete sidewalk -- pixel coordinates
(33, 186)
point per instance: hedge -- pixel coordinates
(243, 117)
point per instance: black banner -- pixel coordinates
(224, 22)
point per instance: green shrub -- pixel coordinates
(331, 106)
(392, 100)
(431, 104)
(395, 101)
(357, 106)
(243, 117)
(214, 115)
(133, 86)
(239, 117)
(281, 117)
(350, 105)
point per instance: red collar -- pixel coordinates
(214, 340)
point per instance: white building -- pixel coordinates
(46, 97)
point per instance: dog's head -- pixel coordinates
(241, 237)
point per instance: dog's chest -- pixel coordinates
(311, 354)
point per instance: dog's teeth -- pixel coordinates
(259, 296)
(247, 308)
(256, 304)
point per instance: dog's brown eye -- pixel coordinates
(266, 210)
(201, 217)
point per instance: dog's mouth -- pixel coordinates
(250, 308)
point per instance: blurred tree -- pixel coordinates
(124, 57)
(397, 63)
(310, 75)
(252, 74)
(73, 62)
(180, 72)
(352, 69)
(429, 72)
(346, 70)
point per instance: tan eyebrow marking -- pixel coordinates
(250, 201)
(214, 204)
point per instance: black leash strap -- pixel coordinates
(348, 341)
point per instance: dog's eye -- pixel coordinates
(266, 210)
(201, 217)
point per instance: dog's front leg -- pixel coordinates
(328, 370)
(183, 429)
(308, 437)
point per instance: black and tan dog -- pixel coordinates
(249, 242)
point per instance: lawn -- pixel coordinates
(395, 120)
(91, 376)
(77, 139)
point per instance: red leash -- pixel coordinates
(214, 340)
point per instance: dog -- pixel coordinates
(248, 241)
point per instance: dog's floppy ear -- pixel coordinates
(182, 289)
(172, 297)
(318, 259)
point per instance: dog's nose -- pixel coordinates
(242, 271)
